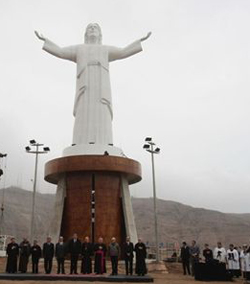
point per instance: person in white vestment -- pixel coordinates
(93, 105)
(245, 262)
(220, 253)
(233, 261)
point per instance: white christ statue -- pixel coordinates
(93, 104)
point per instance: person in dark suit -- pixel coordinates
(185, 256)
(48, 253)
(141, 253)
(60, 255)
(74, 247)
(13, 253)
(24, 255)
(128, 249)
(87, 252)
(208, 254)
(36, 253)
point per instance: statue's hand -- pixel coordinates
(146, 37)
(40, 36)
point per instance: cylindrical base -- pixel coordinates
(93, 194)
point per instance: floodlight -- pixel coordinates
(32, 141)
(146, 146)
(157, 150)
(27, 148)
(148, 139)
(46, 149)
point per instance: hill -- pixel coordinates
(176, 221)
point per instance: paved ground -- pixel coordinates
(174, 276)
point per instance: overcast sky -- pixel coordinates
(189, 89)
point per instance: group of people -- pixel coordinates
(75, 248)
(237, 260)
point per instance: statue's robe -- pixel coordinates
(93, 104)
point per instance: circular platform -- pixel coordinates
(56, 168)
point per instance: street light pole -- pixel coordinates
(155, 207)
(2, 204)
(150, 148)
(36, 152)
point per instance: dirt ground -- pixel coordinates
(173, 275)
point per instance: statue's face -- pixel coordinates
(93, 34)
(93, 30)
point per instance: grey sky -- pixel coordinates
(188, 89)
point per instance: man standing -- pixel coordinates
(74, 247)
(233, 261)
(245, 262)
(194, 256)
(100, 250)
(48, 253)
(24, 255)
(36, 253)
(60, 255)
(220, 253)
(128, 256)
(185, 256)
(114, 252)
(87, 251)
(13, 253)
(140, 253)
(208, 254)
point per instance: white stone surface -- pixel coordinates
(55, 227)
(94, 149)
(93, 103)
(128, 211)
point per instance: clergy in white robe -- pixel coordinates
(220, 253)
(233, 261)
(245, 262)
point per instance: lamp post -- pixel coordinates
(36, 151)
(151, 148)
(2, 204)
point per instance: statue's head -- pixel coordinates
(93, 34)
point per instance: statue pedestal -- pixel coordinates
(93, 196)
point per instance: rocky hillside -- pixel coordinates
(177, 222)
(17, 210)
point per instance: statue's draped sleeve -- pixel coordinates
(68, 53)
(116, 53)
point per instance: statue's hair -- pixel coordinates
(86, 39)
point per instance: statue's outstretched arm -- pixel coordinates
(40, 36)
(120, 53)
(68, 53)
(147, 36)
